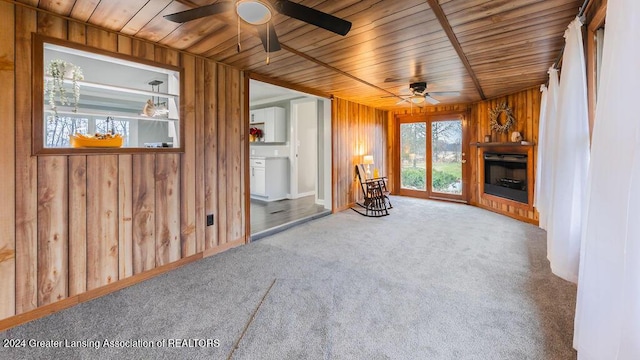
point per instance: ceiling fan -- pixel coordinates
(419, 94)
(260, 12)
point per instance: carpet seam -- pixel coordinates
(253, 316)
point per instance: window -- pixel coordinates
(86, 92)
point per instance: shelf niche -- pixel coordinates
(113, 93)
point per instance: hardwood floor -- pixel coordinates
(270, 217)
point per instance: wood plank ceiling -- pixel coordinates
(481, 48)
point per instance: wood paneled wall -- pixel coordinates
(357, 130)
(526, 111)
(82, 222)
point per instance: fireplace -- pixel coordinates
(505, 176)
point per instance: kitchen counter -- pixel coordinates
(255, 157)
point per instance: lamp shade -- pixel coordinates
(367, 159)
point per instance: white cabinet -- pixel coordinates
(269, 178)
(258, 180)
(256, 116)
(272, 121)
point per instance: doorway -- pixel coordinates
(432, 157)
(289, 161)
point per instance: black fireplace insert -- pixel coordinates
(505, 175)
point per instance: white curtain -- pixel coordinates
(607, 323)
(570, 160)
(541, 140)
(546, 141)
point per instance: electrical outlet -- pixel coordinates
(209, 219)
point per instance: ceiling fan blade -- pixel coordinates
(445, 93)
(431, 100)
(313, 16)
(200, 12)
(405, 80)
(401, 101)
(274, 44)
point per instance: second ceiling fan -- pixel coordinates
(419, 94)
(260, 13)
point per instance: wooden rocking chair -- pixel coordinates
(376, 196)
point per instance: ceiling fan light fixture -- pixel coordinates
(416, 99)
(254, 12)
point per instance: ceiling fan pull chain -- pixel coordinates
(239, 47)
(268, 45)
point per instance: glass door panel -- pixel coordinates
(446, 157)
(413, 164)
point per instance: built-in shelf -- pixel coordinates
(123, 89)
(267, 143)
(112, 114)
(487, 144)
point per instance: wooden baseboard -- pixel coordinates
(508, 214)
(223, 247)
(49, 309)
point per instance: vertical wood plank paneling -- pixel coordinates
(230, 156)
(77, 225)
(143, 49)
(188, 161)
(143, 195)
(526, 109)
(26, 168)
(167, 56)
(167, 208)
(77, 200)
(7, 164)
(102, 39)
(103, 216)
(235, 187)
(211, 152)
(222, 155)
(143, 188)
(52, 204)
(102, 220)
(52, 25)
(77, 32)
(125, 216)
(200, 213)
(125, 45)
(357, 130)
(85, 221)
(52, 229)
(125, 196)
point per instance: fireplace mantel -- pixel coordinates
(522, 144)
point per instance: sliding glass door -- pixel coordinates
(446, 158)
(413, 158)
(432, 158)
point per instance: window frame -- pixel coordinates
(38, 111)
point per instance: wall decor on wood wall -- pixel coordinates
(495, 115)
